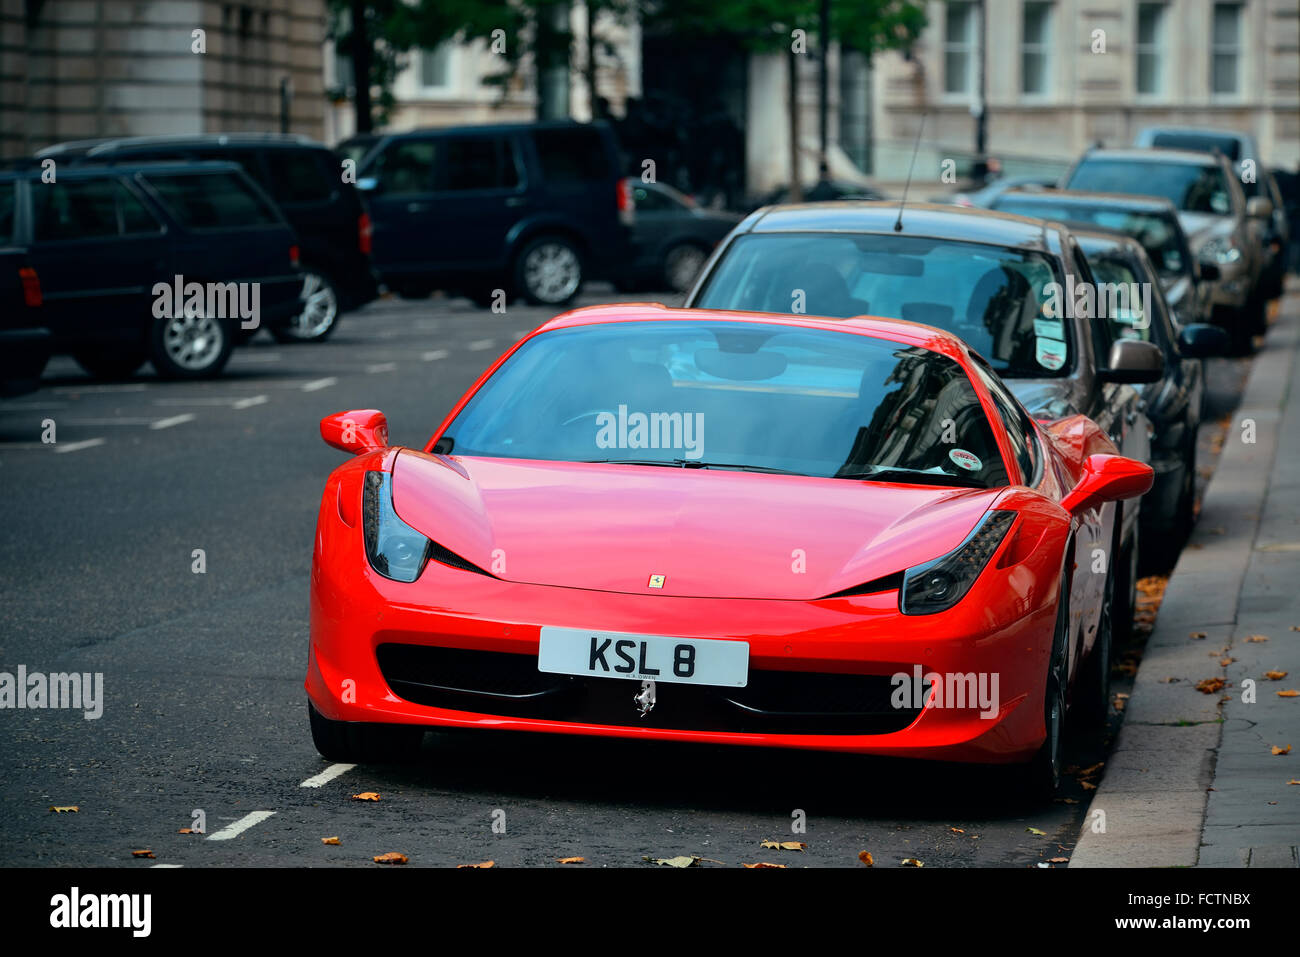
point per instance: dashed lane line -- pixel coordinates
(172, 420)
(381, 367)
(478, 345)
(217, 401)
(251, 819)
(434, 354)
(92, 389)
(329, 774)
(315, 385)
(78, 446)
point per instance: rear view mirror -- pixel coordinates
(357, 431)
(1203, 341)
(1108, 478)
(368, 184)
(1134, 361)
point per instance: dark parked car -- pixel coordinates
(1224, 229)
(532, 209)
(1174, 402)
(305, 179)
(821, 192)
(1003, 283)
(672, 237)
(165, 262)
(985, 197)
(1151, 220)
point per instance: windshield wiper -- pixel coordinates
(694, 464)
(886, 473)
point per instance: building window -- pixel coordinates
(1225, 54)
(435, 67)
(958, 47)
(1150, 43)
(1034, 48)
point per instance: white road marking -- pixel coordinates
(78, 446)
(239, 827)
(329, 774)
(248, 403)
(168, 422)
(381, 367)
(259, 357)
(89, 389)
(315, 385)
(119, 420)
(29, 406)
(166, 865)
(479, 344)
(434, 354)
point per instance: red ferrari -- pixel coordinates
(735, 528)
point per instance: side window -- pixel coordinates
(650, 200)
(8, 203)
(1020, 431)
(406, 167)
(211, 200)
(478, 162)
(298, 176)
(1119, 296)
(88, 209)
(570, 156)
(1102, 339)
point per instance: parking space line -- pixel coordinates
(433, 354)
(166, 865)
(248, 403)
(78, 446)
(478, 345)
(251, 819)
(92, 389)
(381, 367)
(329, 774)
(167, 423)
(30, 406)
(258, 357)
(218, 401)
(315, 385)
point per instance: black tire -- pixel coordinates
(359, 743)
(1092, 689)
(1038, 779)
(682, 265)
(549, 271)
(112, 363)
(1124, 572)
(322, 307)
(175, 358)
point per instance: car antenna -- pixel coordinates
(898, 224)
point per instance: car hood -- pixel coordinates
(1201, 226)
(711, 533)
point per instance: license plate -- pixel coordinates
(613, 654)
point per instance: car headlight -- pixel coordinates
(1220, 250)
(394, 549)
(938, 585)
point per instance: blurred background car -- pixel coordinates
(985, 196)
(532, 209)
(1223, 228)
(91, 248)
(305, 180)
(1150, 220)
(671, 239)
(821, 192)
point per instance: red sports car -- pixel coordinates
(724, 527)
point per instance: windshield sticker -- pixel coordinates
(1049, 329)
(965, 460)
(1049, 353)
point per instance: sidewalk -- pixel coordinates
(1192, 780)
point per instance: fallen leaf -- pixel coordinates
(366, 796)
(392, 857)
(1226, 661)
(330, 840)
(570, 860)
(1058, 860)
(1275, 675)
(680, 861)
(484, 864)
(866, 858)
(142, 853)
(783, 845)
(1198, 635)
(1289, 693)
(1257, 638)
(762, 864)
(1034, 830)
(1066, 801)
(1277, 750)
(1210, 685)
(67, 808)
(1088, 772)
(1087, 785)
(1293, 781)
(912, 862)
(186, 830)
(956, 830)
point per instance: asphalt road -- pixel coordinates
(203, 705)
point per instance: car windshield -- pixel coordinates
(734, 395)
(1157, 233)
(1191, 187)
(991, 296)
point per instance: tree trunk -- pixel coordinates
(362, 53)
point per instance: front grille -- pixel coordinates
(509, 685)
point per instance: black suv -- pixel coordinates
(531, 209)
(305, 179)
(166, 262)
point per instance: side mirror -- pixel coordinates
(1203, 341)
(1134, 361)
(357, 431)
(1259, 207)
(1210, 272)
(1108, 478)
